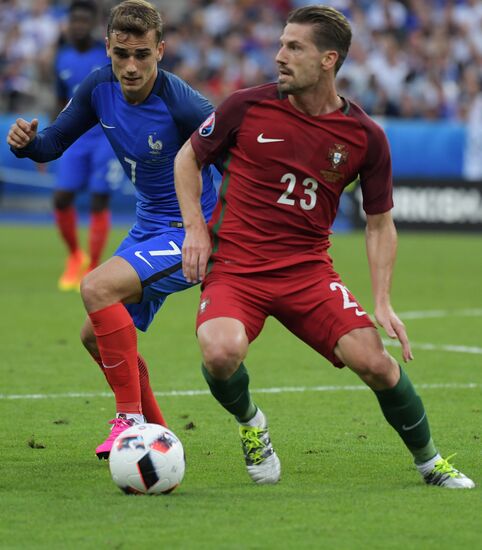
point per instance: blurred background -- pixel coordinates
(416, 66)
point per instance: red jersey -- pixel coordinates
(284, 172)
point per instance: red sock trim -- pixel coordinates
(110, 319)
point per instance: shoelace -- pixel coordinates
(253, 444)
(444, 467)
(118, 423)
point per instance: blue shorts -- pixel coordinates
(89, 163)
(157, 259)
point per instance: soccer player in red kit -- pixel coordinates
(289, 150)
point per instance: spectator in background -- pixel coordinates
(472, 168)
(43, 27)
(18, 78)
(423, 50)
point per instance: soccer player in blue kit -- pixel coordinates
(91, 162)
(147, 115)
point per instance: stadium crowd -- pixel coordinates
(409, 58)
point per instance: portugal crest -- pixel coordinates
(337, 155)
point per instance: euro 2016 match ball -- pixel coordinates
(147, 459)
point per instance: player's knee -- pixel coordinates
(99, 202)
(373, 363)
(94, 292)
(223, 354)
(63, 199)
(377, 369)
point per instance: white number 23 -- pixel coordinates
(310, 184)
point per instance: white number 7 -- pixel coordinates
(173, 251)
(133, 164)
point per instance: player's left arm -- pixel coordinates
(381, 244)
(196, 248)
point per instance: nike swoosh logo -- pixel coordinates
(138, 253)
(112, 366)
(106, 125)
(406, 428)
(262, 139)
(360, 313)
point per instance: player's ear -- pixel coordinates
(107, 46)
(160, 50)
(329, 59)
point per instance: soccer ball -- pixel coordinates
(147, 459)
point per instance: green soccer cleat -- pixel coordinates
(444, 474)
(262, 462)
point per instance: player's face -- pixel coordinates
(81, 25)
(134, 62)
(300, 62)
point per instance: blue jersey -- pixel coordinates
(145, 138)
(73, 66)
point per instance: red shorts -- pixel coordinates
(309, 300)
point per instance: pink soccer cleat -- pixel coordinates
(118, 426)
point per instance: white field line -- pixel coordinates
(193, 393)
(434, 314)
(440, 313)
(436, 347)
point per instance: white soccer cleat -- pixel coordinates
(262, 462)
(268, 472)
(440, 472)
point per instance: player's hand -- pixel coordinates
(21, 133)
(196, 250)
(395, 329)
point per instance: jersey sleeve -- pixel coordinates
(187, 106)
(217, 133)
(376, 173)
(78, 116)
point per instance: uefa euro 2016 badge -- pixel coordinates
(207, 127)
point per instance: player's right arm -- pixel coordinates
(207, 145)
(197, 243)
(49, 144)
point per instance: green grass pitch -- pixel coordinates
(347, 481)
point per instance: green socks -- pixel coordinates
(401, 406)
(233, 393)
(404, 411)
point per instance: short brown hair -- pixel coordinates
(135, 17)
(331, 29)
